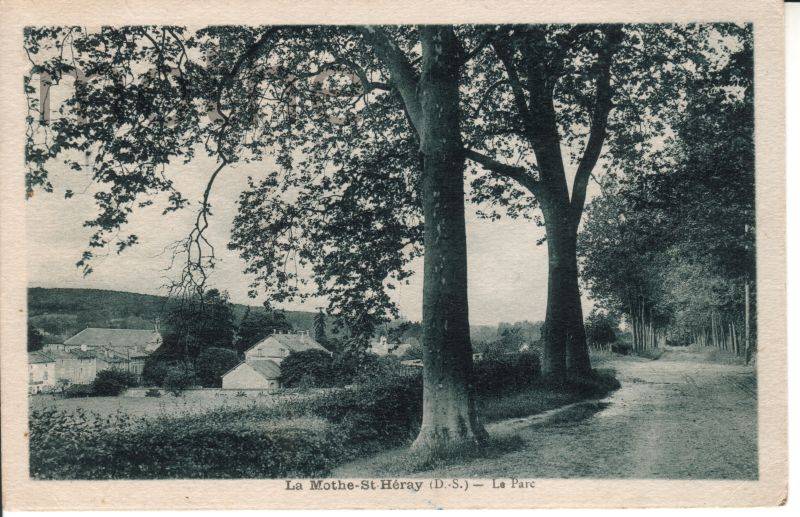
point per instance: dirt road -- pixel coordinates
(679, 417)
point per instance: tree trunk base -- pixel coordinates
(444, 438)
(582, 371)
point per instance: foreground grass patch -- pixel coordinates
(545, 396)
(407, 461)
(650, 353)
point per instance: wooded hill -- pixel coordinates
(63, 312)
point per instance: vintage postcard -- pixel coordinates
(454, 254)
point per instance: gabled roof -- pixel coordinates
(267, 368)
(264, 367)
(126, 338)
(292, 342)
(85, 354)
(39, 358)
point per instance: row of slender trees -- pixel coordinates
(672, 243)
(374, 132)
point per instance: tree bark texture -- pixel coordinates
(449, 417)
(563, 334)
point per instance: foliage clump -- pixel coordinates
(110, 383)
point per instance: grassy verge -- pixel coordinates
(543, 397)
(536, 399)
(650, 353)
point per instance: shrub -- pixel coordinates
(110, 383)
(601, 329)
(155, 369)
(599, 383)
(62, 385)
(498, 373)
(212, 363)
(312, 368)
(177, 379)
(413, 352)
(650, 353)
(621, 348)
(78, 390)
(350, 367)
(152, 392)
(386, 409)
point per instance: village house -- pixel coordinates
(125, 341)
(277, 346)
(382, 347)
(76, 366)
(41, 372)
(261, 366)
(92, 350)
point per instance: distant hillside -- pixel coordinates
(63, 312)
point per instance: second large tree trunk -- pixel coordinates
(563, 334)
(449, 416)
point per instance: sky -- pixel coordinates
(507, 270)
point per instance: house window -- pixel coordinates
(45, 375)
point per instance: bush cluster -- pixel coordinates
(110, 383)
(318, 369)
(173, 375)
(384, 410)
(621, 348)
(177, 379)
(77, 446)
(78, 390)
(307, 369)
(107, 383)
(212, 363)
(500, 373)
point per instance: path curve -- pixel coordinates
(679, 417)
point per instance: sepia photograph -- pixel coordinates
(392, 257)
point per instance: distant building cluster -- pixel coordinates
(81, 357)
(92, 350)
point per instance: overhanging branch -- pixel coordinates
(403, 76)
(518, 174)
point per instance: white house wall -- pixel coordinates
(245, 377)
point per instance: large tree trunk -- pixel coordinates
(449, 417)
(565, 349)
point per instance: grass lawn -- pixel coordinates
(168, 406)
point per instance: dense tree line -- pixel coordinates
(671, 244)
